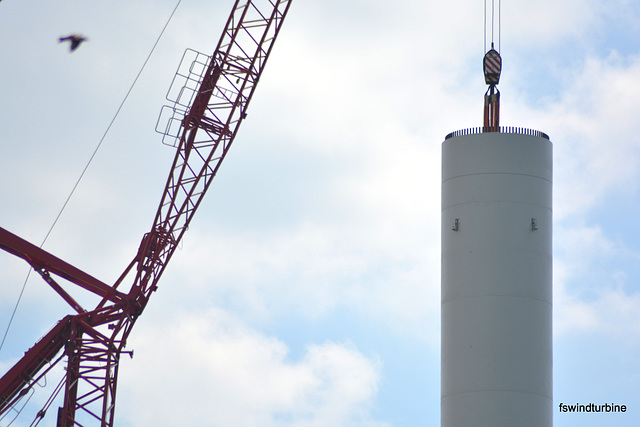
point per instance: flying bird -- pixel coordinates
(74, 41)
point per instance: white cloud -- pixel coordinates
(210, 369)
(613, 313)
(596, 154)
(315, 269)
(592, 295)
(335, 204)
(594, 130)
(546, 22)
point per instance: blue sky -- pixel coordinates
(307, 290)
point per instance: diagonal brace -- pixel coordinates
(43, 260)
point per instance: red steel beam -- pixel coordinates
(221, 103)
(42, 259)
(18, 380)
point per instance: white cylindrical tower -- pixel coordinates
(496, 279)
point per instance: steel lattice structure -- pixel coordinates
(207, 108)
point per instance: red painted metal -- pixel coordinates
(492, 65)
(93, 340)
(492, 110)
(41, 260)
(22, 376)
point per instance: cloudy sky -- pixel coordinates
(307, 290)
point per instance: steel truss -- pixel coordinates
(210, 103)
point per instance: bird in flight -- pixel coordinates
(74, 41)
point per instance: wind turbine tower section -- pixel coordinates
(496, 307)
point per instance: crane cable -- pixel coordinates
(24, 285)
(493, 24)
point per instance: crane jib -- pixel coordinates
(208, 117)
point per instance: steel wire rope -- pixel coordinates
(41, 414)
(24, 285)
(485, 28)
(492, 19)
(32, 392)
(493, 24)
(18, 411)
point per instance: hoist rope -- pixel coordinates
(493, 18)
(493, 8)
(24, 285)
(499, 24)
(49, 402)
(485, 28)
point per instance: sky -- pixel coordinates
(307, 289)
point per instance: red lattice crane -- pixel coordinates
(210, 103)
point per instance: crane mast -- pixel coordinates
(204, 120)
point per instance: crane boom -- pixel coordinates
(20, 378)
(210, 126)
(93, 340)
